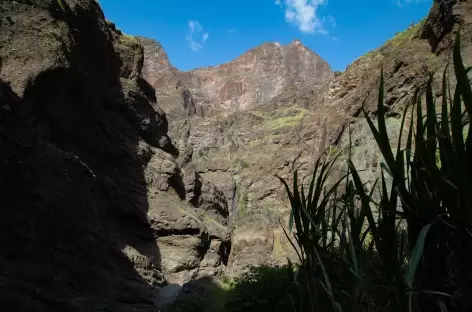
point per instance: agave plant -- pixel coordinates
(310, 216)
(435, 194)
(420, 244)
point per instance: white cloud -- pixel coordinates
(330, 19)
(304, 15)
(402, 3)
(196, 38)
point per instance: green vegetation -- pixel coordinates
(243, 202)
(284, 120)
(61, 5)
(242, 164)
(333, 152)
(212, 298)
(129, 41)
(406, 35)
(273, 214)
(203, 152)
(109, 23)
(207, 220)
(259, 289)
(128, 38)
(263, 289)
(280, 117)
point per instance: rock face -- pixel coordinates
(254, 78)
(240, 145)
(231, 121)
(96, 210)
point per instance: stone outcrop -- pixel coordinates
(252, 244)
(252, 79)
(95, 214)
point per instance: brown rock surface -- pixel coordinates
(254, 78)
(252, 244)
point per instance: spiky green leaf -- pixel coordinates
(416, 255)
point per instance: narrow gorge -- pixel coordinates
(123, 178)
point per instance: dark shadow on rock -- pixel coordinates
(178, 185)
(72, 194)
(73, 191)
(168, 295)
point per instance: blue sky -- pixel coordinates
(200, 33)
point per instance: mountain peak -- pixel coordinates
(296, 42)
(255, 77)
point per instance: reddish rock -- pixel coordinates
(254, 78)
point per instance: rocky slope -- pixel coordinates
(254, 78)
(231, 120)
(96, 212)
(240, 152)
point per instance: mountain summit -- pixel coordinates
(254, 78)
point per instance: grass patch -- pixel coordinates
(129, 40)
(263, 289)
(281, 121)
(280, 117)
(264, 140)
(243, 202)
(208, 219)
(259, 289)
(333, 151)
(406, 35)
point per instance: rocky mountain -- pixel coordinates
(241, 147)
(231, 120)
(252, 79)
